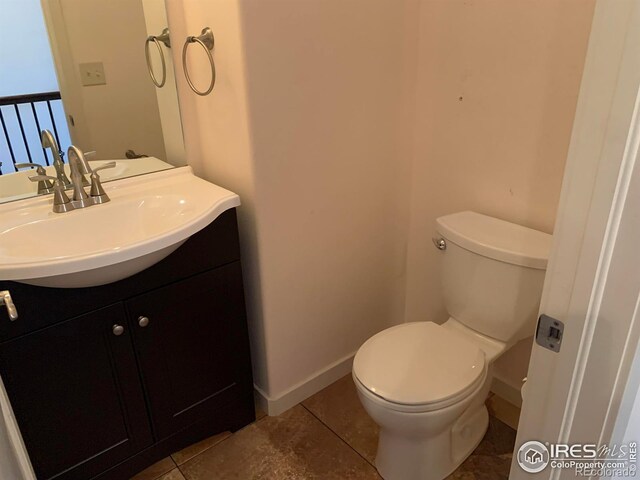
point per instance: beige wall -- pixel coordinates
(307, 124)
(340, 125)
(328, 99)
(498, 82)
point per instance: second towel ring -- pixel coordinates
(205, 39)
(164, 38)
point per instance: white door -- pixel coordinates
(576, 396)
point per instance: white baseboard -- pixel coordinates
(325, 377)
(303, 390)
(507, 391)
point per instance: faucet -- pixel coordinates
(79, 168)
(48, 141)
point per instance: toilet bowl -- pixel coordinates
(425, 384)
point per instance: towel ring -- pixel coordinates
(205, 39)
(164, 38)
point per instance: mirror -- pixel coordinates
(84, 70)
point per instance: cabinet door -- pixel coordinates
(75, 391)
(192, 347)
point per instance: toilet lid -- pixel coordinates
(419, 363)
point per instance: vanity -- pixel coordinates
(123, 331)
(106, 380)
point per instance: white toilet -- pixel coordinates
(425, 384)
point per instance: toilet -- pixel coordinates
(426, 384)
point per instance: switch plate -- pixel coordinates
(92, 74)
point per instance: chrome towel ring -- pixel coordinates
(205, 39)
(157, 39)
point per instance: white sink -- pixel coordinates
(147, 218)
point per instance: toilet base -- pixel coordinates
(407, 457)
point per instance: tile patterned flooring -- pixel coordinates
(328, 436)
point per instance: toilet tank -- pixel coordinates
(492, 274)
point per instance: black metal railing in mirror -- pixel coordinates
(22, 118)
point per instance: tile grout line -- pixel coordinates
(203, 451)
(337, 435)
(178, 466)
(163, 474)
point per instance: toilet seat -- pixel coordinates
(419, 366)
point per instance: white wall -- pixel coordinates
(327, 105)
(497, 84)
(308, 124)
(340, 125)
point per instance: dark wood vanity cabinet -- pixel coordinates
(141, 368)
(192, 351)
(75, 390)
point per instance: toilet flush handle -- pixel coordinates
(440, 243)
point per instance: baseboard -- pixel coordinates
(507, 391)
(303, 390)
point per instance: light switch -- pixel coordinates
(92, 74)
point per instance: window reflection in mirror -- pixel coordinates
(77, 68)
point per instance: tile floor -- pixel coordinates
(328, 436)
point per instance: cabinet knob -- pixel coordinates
(143, 321)
(117, 330)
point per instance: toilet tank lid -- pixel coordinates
(496, 239)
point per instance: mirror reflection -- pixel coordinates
(68, 79)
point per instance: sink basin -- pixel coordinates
(148, 218)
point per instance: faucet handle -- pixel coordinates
(97, 193)
(39, 168)
(44, 186)
(42, 178)
(61, 202)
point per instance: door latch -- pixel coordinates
(549, 333)
(5, 299)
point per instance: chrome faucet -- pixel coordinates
(79, 168)
(48, 141)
